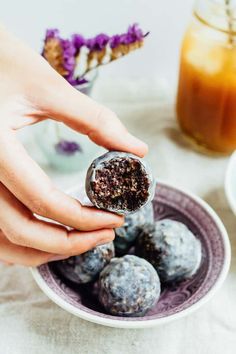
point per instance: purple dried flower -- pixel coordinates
(71, 79)
(52, 33)
(98, 43)
(81, 81)
(62, 53)
(115, 41)
(76, 81)
(78, 42)
(67, 148)
(68, 54)
(134, 34)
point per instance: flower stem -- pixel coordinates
(88, 69)
(114, 55)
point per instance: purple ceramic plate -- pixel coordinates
(174, 302)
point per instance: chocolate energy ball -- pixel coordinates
(86, 267)
(119, 182)
(127, 234)
(171, 248)
(128, 286)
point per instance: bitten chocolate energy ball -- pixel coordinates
(127, 234)
(171, 248)
(119, 182)
(128, 286)
(86, 267)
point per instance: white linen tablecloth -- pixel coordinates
(30, 323)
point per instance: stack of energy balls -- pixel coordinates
(145, 253)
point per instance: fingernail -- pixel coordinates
(117, 224)
(143, 148)
(112, 220)
(58, 257)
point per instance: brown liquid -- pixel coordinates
(206, 101)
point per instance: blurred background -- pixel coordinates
(166, 20)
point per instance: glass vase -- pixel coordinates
(65, 149)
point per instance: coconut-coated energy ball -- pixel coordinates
(127, 234)
(171, 248)
(119, 182)
(128, 286)
(86, 267)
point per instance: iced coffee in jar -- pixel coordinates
(206, 99)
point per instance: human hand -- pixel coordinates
(31, 90)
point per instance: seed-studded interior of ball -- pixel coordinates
(121, 184)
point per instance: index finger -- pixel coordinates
(88, 117)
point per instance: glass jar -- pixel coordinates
(206, 99)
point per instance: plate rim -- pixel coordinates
(158, 321)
